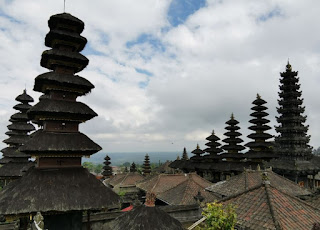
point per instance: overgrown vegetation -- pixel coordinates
(219, 217)
(96, 168)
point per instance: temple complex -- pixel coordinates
(66, 187)
(15, 163)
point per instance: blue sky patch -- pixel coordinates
(2, 14)
(88, 50)
(276, 12)
(143, 71)
(180, 10)
(147, 38)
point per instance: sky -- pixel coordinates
(168, 72)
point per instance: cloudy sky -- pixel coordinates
(167, 72)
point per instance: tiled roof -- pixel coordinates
(164, 168)
(177, 189)
(266, 207)
(126, 179)
(315, 201)
(252, 178)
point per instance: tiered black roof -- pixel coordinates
(233, 141)
(61, 88)
(59, 146)
(133, 167)
(18, 131)
(146, 165)
(213, 146)
(185, 155)
(107, 170)
(259, 147)
(197, 153)
(293, 140)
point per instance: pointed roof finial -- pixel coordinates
(258, 96)
(288, 66)
(64, 6)
(213, 131)
(198, 146)
(232, 116)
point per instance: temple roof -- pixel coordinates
(266, 207)
(58, 20)
(144, 218)
(61, 110)
(177, 189)
(37, 191)
(46, 143)
(252, 178)
(53, 80)
(24, 97)
(124, 179)
(15, 169)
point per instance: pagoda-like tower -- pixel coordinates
(293, 140)
(18, 131)
(107, 170)
(213, 147)
(146, 165)
(260, 149)
(16, 162)
(59, 186)
(233, 141)
(197, 152)
(185, 155)
(295, 160)
(133, 167)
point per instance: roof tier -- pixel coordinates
(63, 82)
(24, 98)
(19, 196)
(48, 109)
(45, 143)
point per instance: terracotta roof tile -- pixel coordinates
(267, 207)
(251, 178)
(177, 189)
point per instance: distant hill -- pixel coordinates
(137, 157)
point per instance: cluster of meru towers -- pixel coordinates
(58, 186)
(289, 155)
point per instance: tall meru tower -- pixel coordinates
(59, 187)
(295, 160)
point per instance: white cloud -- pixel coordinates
(206, 68)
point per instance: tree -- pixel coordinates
(219, 217)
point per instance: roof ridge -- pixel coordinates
(240, 193)
(174, 186)
(156, 182)
(286, 179)
(125, 177)
(201, 178)
(273, 212)
(187, 186)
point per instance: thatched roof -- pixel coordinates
(24, 97)
(62, 110)
(50, 80)
(13, 152)
(15, 169)
(20, 116)
(21, 126)
(56, 190)
(17, 140)
(22, 107)
(51, 58)
(57, 36)
(44, 143)
(68, 19)
(144, 218)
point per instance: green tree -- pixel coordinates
(219, 217)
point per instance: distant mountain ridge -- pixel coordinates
(137, 157)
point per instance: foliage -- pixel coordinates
(126, 164)
(316, 151)
(121, 193)
(219, 217)
(96, 168)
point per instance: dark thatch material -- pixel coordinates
(56, 190)
(24, 97)
(22, 107)
(145, 218)
(66, 19)
(51, 58)
(12, 152)
(57, 37)
(17, 140)
(20, 117)
(15, 169)
(62, 110)
(67, 81)
(21, 126)
(43, 143)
